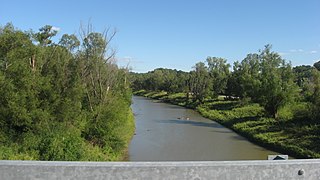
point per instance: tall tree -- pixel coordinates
(315, 97)
(277, 82)
(234, 87)
(200, 82)
(250, 79)
(218, 69)
(18, 90)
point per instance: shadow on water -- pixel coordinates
(225, 132)
(193, 123)
(239, 138)
(176, 107)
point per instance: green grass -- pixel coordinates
(292, 133)
(127, 132)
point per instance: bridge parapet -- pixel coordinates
(281, 169)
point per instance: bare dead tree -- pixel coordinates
(98, 61)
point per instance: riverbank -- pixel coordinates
(128, 132)
(295, 137)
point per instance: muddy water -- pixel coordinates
(167, 132)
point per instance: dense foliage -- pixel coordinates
(64, 101)
(264, 78)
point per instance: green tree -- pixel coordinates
(315, 97)
(250, 77)
(157, 79)
(45, 35)
(302, 73)
(199, 82)
(18, 89)
(138, 81)
(218, 69)
(95, 44)
(303, 78)
(56, 104)
(317, 65)
(234, 88)
(69, 41)
(277, 82)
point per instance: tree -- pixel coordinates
(250, 79)
(234, 88)
(199, 82)
(315, 97)
(137, 81)
(181, 81)
(95, 44)
(157, 79)
(302, 74)
(277, 86)
(219, 73)
(317, 65)
(64, 106)
(18, 90)
(45, 35)
(69, 41)
(97, 72)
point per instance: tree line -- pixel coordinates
(62, 101)
(263, 77)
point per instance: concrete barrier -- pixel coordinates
(281, 169)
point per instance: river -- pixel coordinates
(166, 132)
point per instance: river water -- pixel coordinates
(166, 132)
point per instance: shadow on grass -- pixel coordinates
(242, 119)
(184, 102)
(224, 106)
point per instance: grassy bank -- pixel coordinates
(290, 134)
(123, 135)
(127, 132)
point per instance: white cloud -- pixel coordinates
(125, 59)
(296, 50)
(313, 52)
(128, 59)
(55, 28)
(129, 62)
(283, 53)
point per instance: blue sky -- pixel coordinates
(176, 34)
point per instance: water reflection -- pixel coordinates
(193, 123)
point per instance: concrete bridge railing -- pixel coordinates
(281, 169)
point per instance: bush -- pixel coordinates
(299, 110)
(61, 144)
